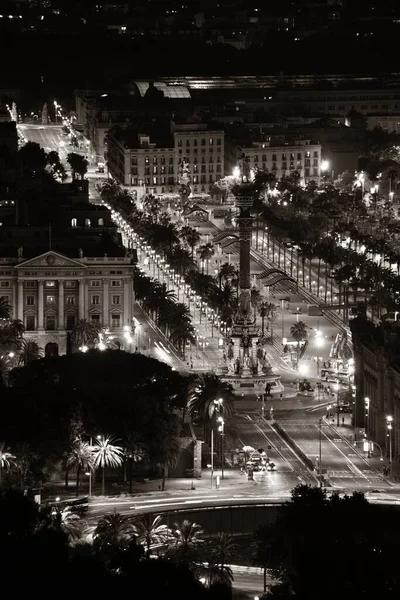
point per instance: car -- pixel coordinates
(271, 466)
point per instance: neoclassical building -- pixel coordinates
(50, 292)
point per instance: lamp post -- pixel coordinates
(320, 453)
(367, 401)
(221, 429)
(389, 421)
(336, 388)
(319, 343)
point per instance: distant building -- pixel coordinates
(282, 159)
(137, 160)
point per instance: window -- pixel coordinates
(70, 300)
(30, 284)
(5, 298)
(264, 158)
(308, 154)
(315, 154)
(154, 170)
(203, 142)
(115, 283)
(51, 300)
(179, 143)
(5, 284)
(70, 322)
(274, 157)
(171, 160)
(73, 222)
(30, 300)
(50, 323)
(134, 161)
(30, 323)
(116, 299)
(115, 320)
(187, 142)
(96, 320)
(87, 223)
(219, 141)
(154, 160)
(163, 160)
(291, 156)
(146, 161)
(154, 180)
(211, 142)
(50, 284)
(101, 222)
(96, 299)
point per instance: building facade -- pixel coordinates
(151, 168)
(301, 155)
(50, 292)
(377, 382)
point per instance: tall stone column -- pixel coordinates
(40, 306)
(81, 299)
(20, 301)
(127, 303)
(60, 305)
(106, 318)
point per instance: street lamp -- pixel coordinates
(389, 421)
(55, 109)
(217, 405)
(367, 402)
(336, 388)
(221, 429)
(319, 343)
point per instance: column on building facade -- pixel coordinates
(81, 300)
(106, 319)
(20, 301)
(15, 300)
(127, 302)
(40, 305)
(60, 304)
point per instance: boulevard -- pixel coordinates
(345, 464)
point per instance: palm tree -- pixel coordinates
(6, 458)
(187, 538)
(107, 454)
(255, 299)
(191, 237)
(30, 351)
(206, 252)
(223, 549)
(272, 316)
(263, 312)
(112, 531)
(84, 333)
(135, 451)
(204, 389)
(25, 456)
(149, 531)
(298, 331)
(166, 452)
(215, 574)
(80, 458)
(227, 272)
(5, 310)
(182, 333)
(67, 522)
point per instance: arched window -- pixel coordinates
(87, 223)
(101, 222)
(73, 222)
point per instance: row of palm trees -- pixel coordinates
(336, 229)
(161, 304)
(183, 543)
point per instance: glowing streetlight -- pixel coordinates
(389, 426)
(319, 343)
(325, 166)
(236, 173)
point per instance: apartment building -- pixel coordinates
(284, 158)
(151, 165)
(50, 292)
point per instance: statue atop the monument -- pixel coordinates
(244, 167)
(184, 171)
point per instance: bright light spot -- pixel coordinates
(303, 369)
(236, 172)
(83, 348)
(325, 165)
(102, 346)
